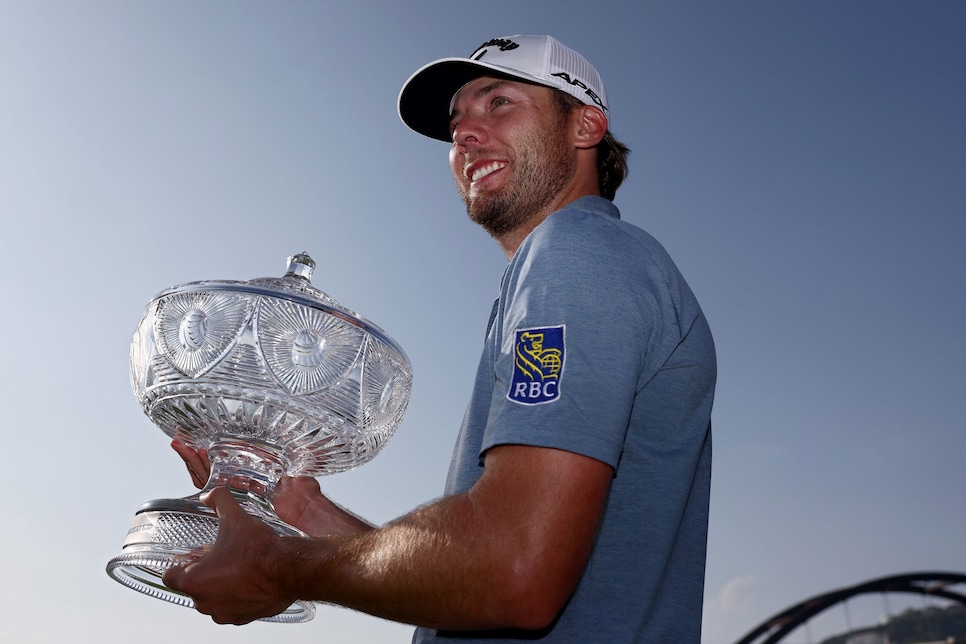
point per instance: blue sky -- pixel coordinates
(803, 162)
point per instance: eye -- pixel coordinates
(499, 101)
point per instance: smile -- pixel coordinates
(483, 171)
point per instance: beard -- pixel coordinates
(541, 168)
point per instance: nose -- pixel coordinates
(468, 131)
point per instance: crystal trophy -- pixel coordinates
(274, 378)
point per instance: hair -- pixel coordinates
(611, 153)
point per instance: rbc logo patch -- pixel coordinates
(538, 358)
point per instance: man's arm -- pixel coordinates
(506, 554)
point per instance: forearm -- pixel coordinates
(441, 567)
(490, 558)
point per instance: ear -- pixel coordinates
(590, 126)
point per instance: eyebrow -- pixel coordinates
(480, 93)
(487, 89)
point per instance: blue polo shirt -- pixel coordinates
(597, 346)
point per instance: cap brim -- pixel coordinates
(425, 98)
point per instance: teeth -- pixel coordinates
(479, 173)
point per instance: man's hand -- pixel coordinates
(299, 502)
(231, 582)
(199, 467)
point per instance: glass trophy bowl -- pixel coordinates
(274, 378)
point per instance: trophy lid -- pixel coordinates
(296, 287)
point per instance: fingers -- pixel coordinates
(305, 485)
(299, 501)
(224, 504)
(188, 558)
(196, 461)
(174, 576)
(231, 515)
(218, 496)
(229, 580)
(178, 575)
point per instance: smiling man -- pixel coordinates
(511, 166)
(576, 505)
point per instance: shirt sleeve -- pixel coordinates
(581, 316)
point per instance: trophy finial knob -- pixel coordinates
(300, 265)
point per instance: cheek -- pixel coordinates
(456, 162)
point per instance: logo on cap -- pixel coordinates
(576, 82)
(505, 44)
(538, 365)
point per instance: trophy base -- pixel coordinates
(165, 529)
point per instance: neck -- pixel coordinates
(511, 240)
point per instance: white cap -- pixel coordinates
(426, 98)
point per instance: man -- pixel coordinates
(576, 504)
